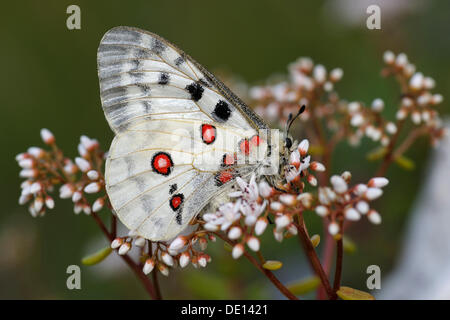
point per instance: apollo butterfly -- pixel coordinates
(181, 136)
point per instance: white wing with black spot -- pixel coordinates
(180, 133)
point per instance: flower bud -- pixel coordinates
(98, 204)
(184, 259)
(167, 259)
(303, 147)
(378, 182)
(93, 174)
(339, 184)
(83, 164)
(253, 243)
(260, 226)
(148, 266)
(234, 233)
(351, 214)
(93, 187)
(373, 193)
(374, 217)
(322, 211)
(178, 243)
(124, 248)
(333, 228)
(139, 242)
(238, 250)
(47, 136)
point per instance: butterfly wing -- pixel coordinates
(177, 127)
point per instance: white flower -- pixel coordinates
(260, 226)
(333, 228)
(373, 193)
(265, 190)
(167, 259)
(83, 164)
(336, 74)
(184, 259)
(66, 191)
(317, 166)
(93, 174)
(93, 187)
(288, 199)
(49, 202)
(416, 81)
(377, 105)
(238, 250)
(47, 136)
(362, 207)
(178, 243)
(357, 120)
(378, 182)
(374, 217)
(282, 221)
(117, 242)
(339, 184)
(389, 57)
(98, 205)
(322, 211)
(351, 214)
(319, 73)
(124, 248)
(234, 233)
(303, 147)
(304, 164)
(253, 243)
(148, 266)
(77, 195)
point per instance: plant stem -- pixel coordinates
(338, 270)
(388, 158)
(314, 259)
(136, 269)
(277, 283)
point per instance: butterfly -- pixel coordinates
(181, 136)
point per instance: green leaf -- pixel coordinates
(96, 257)
(315, 240)
(304, 286)
(272, 265)
(405, 163)
(376, 154)
(349, 245)
(347, 293)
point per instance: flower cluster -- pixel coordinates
(306, 82)
(340, 202)
(311, 84)
(44, 170)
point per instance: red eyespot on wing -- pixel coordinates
(223, 177)
(255, 141)
(162, 163)
(176, 201)
(244, 146)
(208, 133)
(229, 159)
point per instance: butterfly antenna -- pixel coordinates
(292, 119)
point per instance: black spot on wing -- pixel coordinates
(163, 78)
(173, 188)
(178, 217)
(221, 111)
(158, 46)
(178, 61)
(196, 90)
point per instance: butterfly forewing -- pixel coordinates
(179, 132)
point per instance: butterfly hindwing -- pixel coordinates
(177, 127)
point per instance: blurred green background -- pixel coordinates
(50, 80)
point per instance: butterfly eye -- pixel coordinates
(288, 143)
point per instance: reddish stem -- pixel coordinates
(136, 269)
